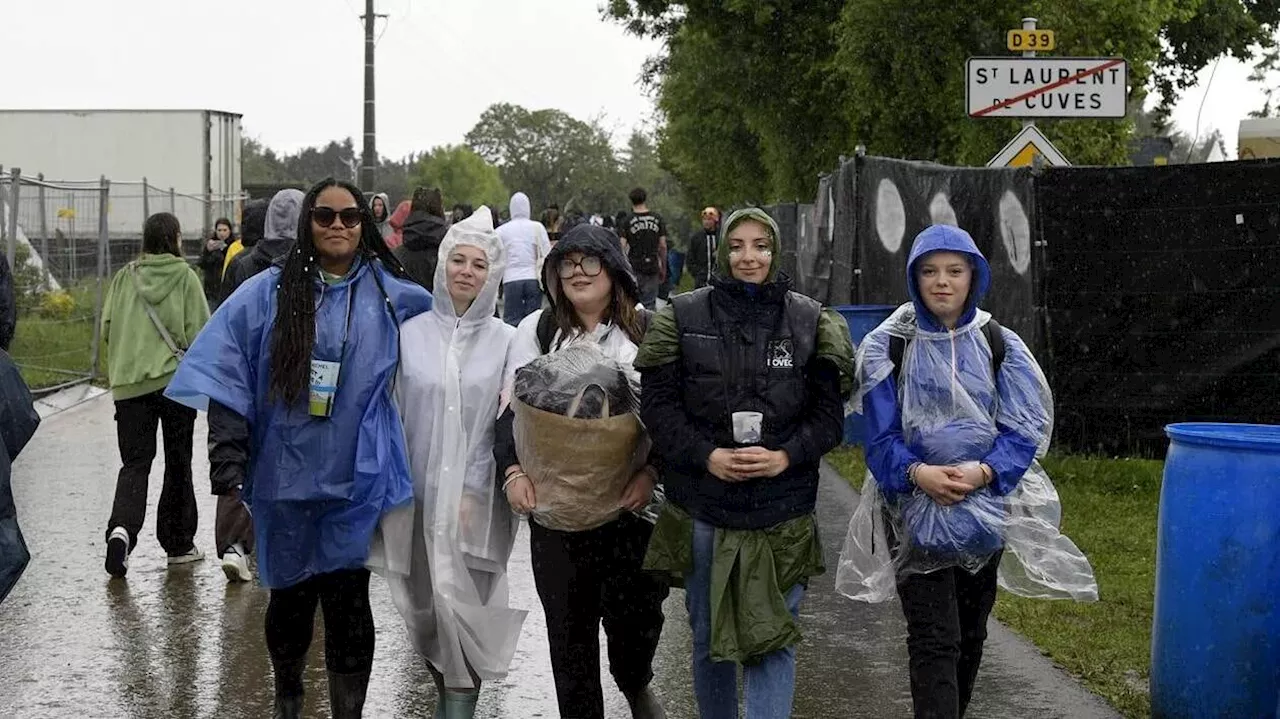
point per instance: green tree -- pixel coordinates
(796, 83)
(462, 175)
(549, 155)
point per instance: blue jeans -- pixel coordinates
(520, 299)
(675, 268)
(769, 684)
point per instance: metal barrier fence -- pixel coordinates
(64, 241)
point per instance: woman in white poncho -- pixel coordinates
(957, 415)
(445, 558)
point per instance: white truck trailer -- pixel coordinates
(190, 160)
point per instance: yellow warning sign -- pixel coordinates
(1023, 149)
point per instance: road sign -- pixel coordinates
(1031, 41)
(1023, 148)
(1094, 87)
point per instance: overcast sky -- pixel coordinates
(294, 68)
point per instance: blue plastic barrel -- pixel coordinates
(1215, 640)
(861, 320)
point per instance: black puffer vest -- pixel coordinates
(743, 353)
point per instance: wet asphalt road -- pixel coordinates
(183, 643)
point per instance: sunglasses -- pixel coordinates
(324, 216)
(591, 267)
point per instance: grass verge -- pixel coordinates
(1109, 510)
(54, 347)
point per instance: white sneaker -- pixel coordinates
(236, 565)
(194, 555)
(117, 563)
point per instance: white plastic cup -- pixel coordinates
(747, 427)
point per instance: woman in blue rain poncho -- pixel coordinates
(298, 365)
(445, 556)
(957, 413)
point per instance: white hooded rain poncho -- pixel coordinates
(445, 558)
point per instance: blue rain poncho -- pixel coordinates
(950, 409)
(316, 486)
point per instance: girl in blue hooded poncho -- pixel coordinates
(957, 413)
(296, 370)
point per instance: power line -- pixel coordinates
(1208, 86)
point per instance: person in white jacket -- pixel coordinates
(445, 556)
(527, 246)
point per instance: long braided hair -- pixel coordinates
(294, 335)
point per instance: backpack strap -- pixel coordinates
(546, 330)
(995, 339)
(177, 352)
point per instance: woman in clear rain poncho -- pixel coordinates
(445, 556)
(957, 412)
(298, 365)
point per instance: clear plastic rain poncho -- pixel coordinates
(445, 556)
(950, 408)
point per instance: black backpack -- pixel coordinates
(898, 347)
(547, 327)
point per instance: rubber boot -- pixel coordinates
(439, 680)
(288, 680)
(460, 705)
(645, 705)
(346, 694)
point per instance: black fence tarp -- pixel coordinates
(896, 200)
(1163, 299)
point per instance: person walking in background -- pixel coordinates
(379, 205)
(304, 355)
(213, 257)
(280, 230)
(593, 576)
(252, 226)
(528, 245)
(744, 385)
(398, 218)
(645, 235)
(153, 310)
(445, 556)
(703, 248)
(551, 221)
(424, 230)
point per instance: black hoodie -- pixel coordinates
(420, 252)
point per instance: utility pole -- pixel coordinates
(369, 157)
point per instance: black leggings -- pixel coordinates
(348, 620)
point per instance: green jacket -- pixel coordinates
(139, 361)
(751, 573)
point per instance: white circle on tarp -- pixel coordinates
(940, 211)
(891, 216)
(1015, 231)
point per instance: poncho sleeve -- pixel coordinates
(222, 364)
(1024, 415)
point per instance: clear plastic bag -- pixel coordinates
(577, 381)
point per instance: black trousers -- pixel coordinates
(584, 578)
(343, 596)
(136, 423)
(946, 615)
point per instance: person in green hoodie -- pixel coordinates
(744, 383)
(153, 311)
